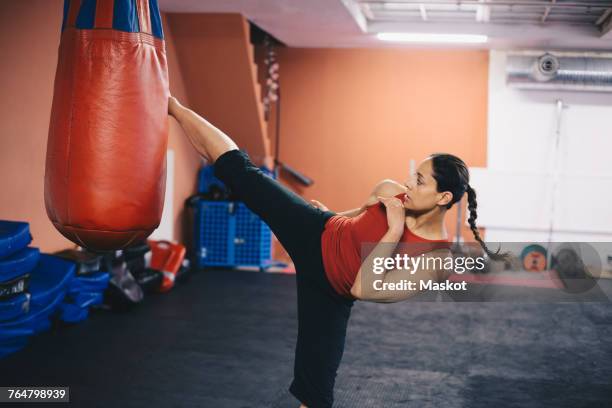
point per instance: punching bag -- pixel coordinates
(105, 168)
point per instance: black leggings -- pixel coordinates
(322, 313)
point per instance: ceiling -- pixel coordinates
(510, 24)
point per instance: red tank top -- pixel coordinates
(343, 237)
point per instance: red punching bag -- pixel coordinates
(106, 153)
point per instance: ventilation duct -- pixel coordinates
(560, 71)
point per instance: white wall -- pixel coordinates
(165, 231)
(522, 180)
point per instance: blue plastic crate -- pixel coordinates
(207, 179)
(212, 230)
(228, 234)
(253, 239)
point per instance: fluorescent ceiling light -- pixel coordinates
(433, 38)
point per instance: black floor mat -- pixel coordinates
(226, 339)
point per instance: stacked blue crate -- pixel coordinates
(227, 233)
(42, 282)
(16, 264)
(253, 239)
(213, 233)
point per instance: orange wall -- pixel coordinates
(29, 37)
(217, 61)
(352, 117)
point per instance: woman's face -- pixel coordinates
(421, 190)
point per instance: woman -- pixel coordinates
(326, 247)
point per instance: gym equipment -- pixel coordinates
(106, 152)
(134, 257)
(138, 259)
(88, 265)
(92, 282)
(14, 287)
(211, 245)
(52, 276)
(228, 234)
(18, 264)
(150, 280)
(533, 258)
(84, 292)
(14, 236)
(85, 299)
(86, 289)
(167, 257)
(14, 334)
(14, 307)
(568, 264)
(570, 267)
(76, 308)
(184, 271)
(86, 262)
(123, 291)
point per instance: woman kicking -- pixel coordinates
(335, 254)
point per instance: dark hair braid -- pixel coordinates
(471, 196)
(451, 174)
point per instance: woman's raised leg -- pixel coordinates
(289, 216)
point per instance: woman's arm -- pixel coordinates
(364, 287)
(376, 287)
(385, 188)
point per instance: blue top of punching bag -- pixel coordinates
(125, 16)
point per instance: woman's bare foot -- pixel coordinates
(208, 140)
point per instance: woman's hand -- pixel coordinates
(396, 214)
(173, 106)
(319, 205)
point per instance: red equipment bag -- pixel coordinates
(167, 257)
(105, 170)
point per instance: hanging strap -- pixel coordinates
(104, 14)
(144, 16)
(73, 11)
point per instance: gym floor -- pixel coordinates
(199, 347)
